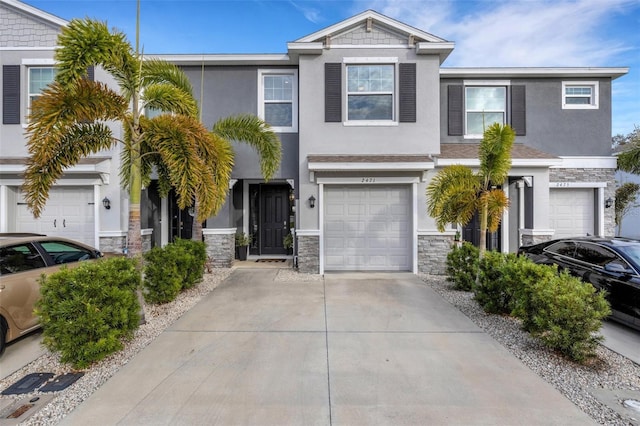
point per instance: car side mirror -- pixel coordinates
(616, 267)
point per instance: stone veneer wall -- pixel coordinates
(220, 249)
(309, 254)
(117, 244)
(529, 240)
(432, 253)
(112, 244)
(592, 175)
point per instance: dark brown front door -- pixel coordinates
(274, 217)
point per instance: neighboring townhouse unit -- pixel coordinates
(367, 116)
(75, 207)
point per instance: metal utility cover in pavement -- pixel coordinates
(28, 383)
(20, 411)
(61, 382)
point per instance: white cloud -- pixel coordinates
(516, 33)
(310, 13)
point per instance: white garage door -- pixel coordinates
(69, 213)
(367, 228)
(572, 212)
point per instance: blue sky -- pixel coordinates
(487, 33)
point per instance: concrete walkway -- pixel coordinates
(353, 349)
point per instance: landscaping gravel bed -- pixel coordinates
(576, 382)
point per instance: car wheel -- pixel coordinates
(3, 336)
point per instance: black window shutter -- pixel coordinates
(91, 73)
(407, 95)
(518, 110)
(333, 92)
(11, 94)
(455, 110)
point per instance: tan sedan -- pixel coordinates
(23, 259)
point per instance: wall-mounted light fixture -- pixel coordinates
(312, 201)
(608, 203)
(292, 197)
(106, 203)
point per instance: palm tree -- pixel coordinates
(67, 123)
(629, 157)
(456, 193)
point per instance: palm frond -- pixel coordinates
(87, 42)
(158, 71)
(451, 195)
(79, 101)
(220, 157)
(256, 133)
(52, 154)
(168, 98)
(629, 160)
(176, 139)
(495, 153)
(497, 203)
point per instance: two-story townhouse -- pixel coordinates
(367, 116)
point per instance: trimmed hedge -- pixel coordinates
(462, 266)
(493, 292)
(562, 311)
(87, 311)
(170, 269)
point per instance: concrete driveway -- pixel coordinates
(353, 349)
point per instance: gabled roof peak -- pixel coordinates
(371, 16)
(38, 13)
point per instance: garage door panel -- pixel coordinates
(69, 213)
(572, 212)
(375, 232)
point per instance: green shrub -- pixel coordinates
(525, 279)
(191, 266)
(162, 277)
(169, 269)
(462, 266)
(493, 292)
(567, 314)
(86, 311)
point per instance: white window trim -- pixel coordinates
(394, 104)
(484, 83)
(294, 98)
(595, 98)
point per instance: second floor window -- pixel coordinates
(484, 105)
(370, 92)
(579, 95)
(39, 79)
(278, 100)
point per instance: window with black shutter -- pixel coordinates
(11, 94)
(333, 92)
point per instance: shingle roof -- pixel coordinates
(369, 158)
(470, 150)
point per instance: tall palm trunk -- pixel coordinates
(196, 227)
(484, 215)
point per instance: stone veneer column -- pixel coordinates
(146, 239)
(432, 252)
(531, 236)
(221, 246)
(308, 253)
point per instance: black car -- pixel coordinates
(610, 264)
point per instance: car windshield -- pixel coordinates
(632, 252)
